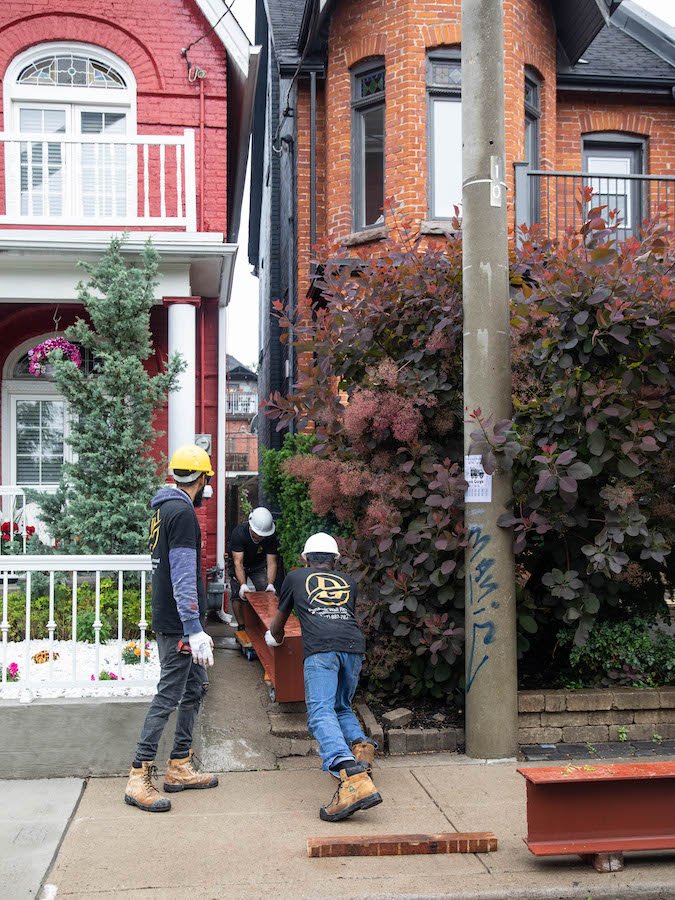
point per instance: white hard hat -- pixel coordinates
(261, 521)
(320, 543)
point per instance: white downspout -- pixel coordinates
(220, 436)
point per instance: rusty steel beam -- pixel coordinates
(282, 664)
(402, 844)
(600, 810)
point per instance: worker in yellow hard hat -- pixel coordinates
(178, 616)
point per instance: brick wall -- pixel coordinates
(149, 37)
(402, 31)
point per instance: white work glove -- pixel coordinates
(202, 649)
(244, 589)
(271, 641)
(270, 589)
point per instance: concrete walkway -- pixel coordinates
(33, 818)
(248, 839)
(234, 729)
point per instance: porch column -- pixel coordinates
(182, 339)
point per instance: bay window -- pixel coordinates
(368, 107)
(444, 128)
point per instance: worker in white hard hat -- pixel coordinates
(178, 618)
(252, 559)
(334, 646)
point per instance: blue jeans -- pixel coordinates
(331, 680)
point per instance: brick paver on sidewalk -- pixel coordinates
(248, 839)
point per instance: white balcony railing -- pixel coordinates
(243, 404)
(70, 591)
(56, 179)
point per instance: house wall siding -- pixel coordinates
(149, 37)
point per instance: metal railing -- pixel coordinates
(243, 404)
(553, 200)
(67, 576)
(140, 180)
(241, 452)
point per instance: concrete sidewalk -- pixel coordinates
(248, 839)
(33, 817)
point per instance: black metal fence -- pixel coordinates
(555, 200)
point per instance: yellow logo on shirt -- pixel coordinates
(153, 537)
(327, 589)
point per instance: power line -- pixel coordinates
(210, 31)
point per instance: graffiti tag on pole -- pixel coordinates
(479, 611)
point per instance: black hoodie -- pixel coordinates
(175, 542)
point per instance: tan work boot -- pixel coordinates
(141, 792)
(181, 775)
(356, 791)
(364, 753)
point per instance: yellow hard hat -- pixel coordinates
(190, 458)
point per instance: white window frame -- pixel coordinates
(74, 99)
(16, 389)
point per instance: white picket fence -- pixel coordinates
(18, 572)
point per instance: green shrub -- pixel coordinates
(297, 520)
(635, 652)
(86, 608)
(588, 445)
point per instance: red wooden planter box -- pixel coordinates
(282, 664)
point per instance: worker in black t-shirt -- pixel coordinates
(325, 600)
(178, 614)
(252, 554)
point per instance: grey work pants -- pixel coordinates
(182, 685)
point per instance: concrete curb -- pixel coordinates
(644, 891)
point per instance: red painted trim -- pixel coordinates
(190, 301)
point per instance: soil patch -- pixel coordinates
(425, 713)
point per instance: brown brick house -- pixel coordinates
(361, 101)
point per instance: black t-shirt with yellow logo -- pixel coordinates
(325, 602)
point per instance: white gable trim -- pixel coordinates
(229, 31)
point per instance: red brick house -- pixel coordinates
(360, 101)
(120, 117)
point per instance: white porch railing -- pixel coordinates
(19, 569)
(111, 180)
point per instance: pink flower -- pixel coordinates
(39, 356)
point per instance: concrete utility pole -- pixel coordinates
(490, 617)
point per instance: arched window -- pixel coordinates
(61, 102)
(71, 70)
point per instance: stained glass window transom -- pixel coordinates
(371, 83)
(70, 70)
(446, 73)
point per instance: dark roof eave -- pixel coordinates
(631, 85)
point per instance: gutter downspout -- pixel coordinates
(312, 161)
(221, 428)
(288, 141)
(202, 155)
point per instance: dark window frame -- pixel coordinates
(436, 91)
(359, 105)
(617, 144)
(532, 133)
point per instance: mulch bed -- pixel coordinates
(424, 712)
